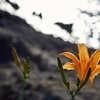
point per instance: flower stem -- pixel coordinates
(72, 94)
(22, 90)
(73, 97)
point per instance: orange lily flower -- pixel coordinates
(82, 64)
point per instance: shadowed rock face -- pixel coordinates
(38, 15)
(5, 49)
(14, 31)
(14, 5)
(41, 49)
(44, 81)
(66, 27)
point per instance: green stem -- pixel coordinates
(82, 85)
(72, 94)
(22, 90)
(67, 84)
(73, 97)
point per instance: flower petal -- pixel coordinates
(69, 66)
(94, 73)
(74, 59)
(71, 56)
(84, 59)
(83, 53)
(95, 58)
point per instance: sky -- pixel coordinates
(84, 14)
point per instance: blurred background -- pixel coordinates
(40, 30)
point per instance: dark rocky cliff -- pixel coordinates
(44, 82)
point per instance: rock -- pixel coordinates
(42, 50)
